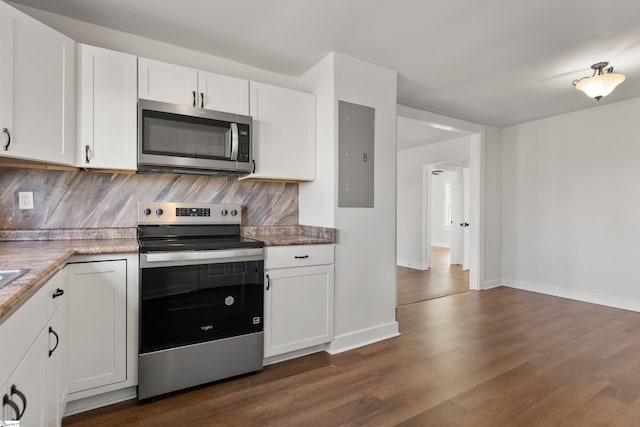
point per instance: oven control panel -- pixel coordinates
(193, 211)
(158, 213)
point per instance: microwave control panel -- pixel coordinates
(243, 143)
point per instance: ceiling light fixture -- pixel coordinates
(602, 83)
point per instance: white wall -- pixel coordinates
(365, 294)
(84, 32)
(491, 273)
(317, 199)
(410, 209)
(366, 251)
(440, 233)
(571, 205)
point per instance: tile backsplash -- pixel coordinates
(80, 199)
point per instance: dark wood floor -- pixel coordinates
(440, 280)
(501, 357)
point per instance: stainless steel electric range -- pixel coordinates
(201, 296)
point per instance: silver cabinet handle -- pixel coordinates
(6, 147)
(86, 153)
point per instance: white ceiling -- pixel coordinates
(496, 62)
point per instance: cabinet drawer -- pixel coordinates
(298, 256)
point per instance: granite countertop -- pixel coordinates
(291, 235)
(44, 258)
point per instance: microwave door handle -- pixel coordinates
(234, 141)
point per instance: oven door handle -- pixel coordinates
(157, 259)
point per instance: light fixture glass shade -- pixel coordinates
(599, 85)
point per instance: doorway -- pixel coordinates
(447, 272)
(426, 271)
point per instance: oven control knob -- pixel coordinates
(234, 212)
(159, 211)
(147, 211)
(224, 212)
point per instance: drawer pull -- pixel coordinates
(6, 147)
(301, 256)
(51, 331)
(268, 282)
(58, 293)
(6, 401)
(14, 390)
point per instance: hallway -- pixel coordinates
(442, 279)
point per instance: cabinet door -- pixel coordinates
(37, 82)
(107, 110)
(160, 81)
(97, 324)
(223, 93)
(284, 133)
(298, 308)
(27, 386)
(57, 366)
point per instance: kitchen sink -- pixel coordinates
(7, 276)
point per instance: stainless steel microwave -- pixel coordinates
(181, 139)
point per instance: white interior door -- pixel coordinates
(457, 206)
(466, 187)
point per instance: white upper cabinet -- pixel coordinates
(164, 82)
(284, 133)
(160, 81)
(37, 83)
(223, 93)
(107, 109)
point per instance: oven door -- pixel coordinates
(189, 297)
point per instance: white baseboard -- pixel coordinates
(441, 244)
(363, 337)
(293, 354)
(490, 284)
(105, 399)
(412, 264)
(575, 294)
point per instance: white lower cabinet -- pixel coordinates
(34, 391)
(103, 326)
(57, 366)
(25, 397)
(97, 324)
(298, 298)
(75, 340)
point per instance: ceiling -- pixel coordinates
(415, 133)
(497, 62)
